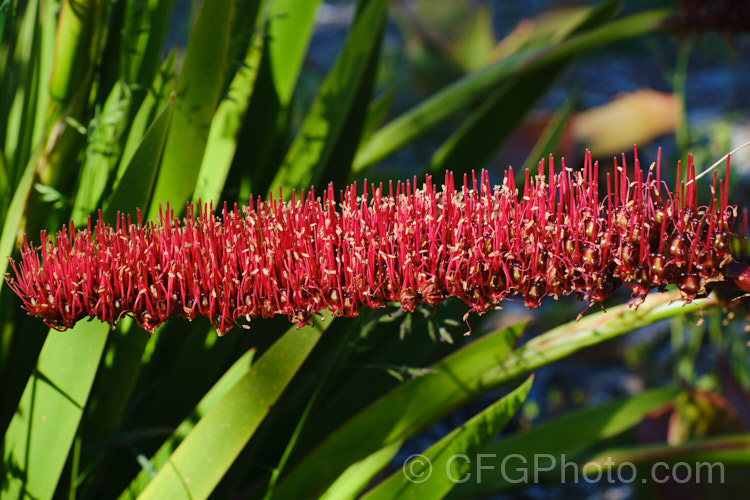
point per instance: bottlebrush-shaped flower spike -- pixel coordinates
(478, 242)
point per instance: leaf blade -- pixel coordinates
(209, 400)
(309, 153)
(460, 94)
(134, 188)
(568, 435)
(399, 414)
(466, 440)
(225, 127)
(202, 459)
(198, 90)
(291, 27)
(44, 425)
(356, 478)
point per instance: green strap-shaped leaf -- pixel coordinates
(48, 17)
(102, 152)
(593, 329)
(377, 112)
(474, 143)
(569, 435)
(144, 29)
(312, 147)
(157, 25)
(730, 450)
(75, 35)
(238, 370)
(444, 464)
(117, 376)
(18, 96)
(222, 139)
(4, 8)
(356, 478)
(399, 414)
(159, 94)
(265, 134)
(198, 89)
(14, 215)
(459, 95)
(41, 431)
(134, 187)
(479, 136)
(290, 27)
(339, 165)
(458, 379)
(5, 193)
(24, 92)
(202, 459)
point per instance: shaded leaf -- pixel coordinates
(102, 151)
(487, 128)
(733, 449)
(549, 141)
(145, 29)
(479, 136)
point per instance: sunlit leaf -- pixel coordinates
(569, 435)
(356, 478)
(198, 89)
(459, 95)
(225, 127)
(40, 435)
(400, 413)
(290, 27)
(204, 456)
(311, 150)
(238, 370)
(133, 189)
(437, 470)
(159, 94)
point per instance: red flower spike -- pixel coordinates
(480, 243)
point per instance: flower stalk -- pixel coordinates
(353, 249)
